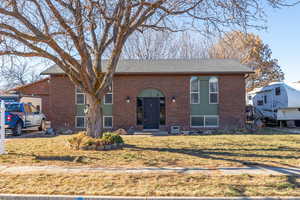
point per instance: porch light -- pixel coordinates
(173, 99)
(128, 99)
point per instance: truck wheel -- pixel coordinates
(17, 130)
(42, 126)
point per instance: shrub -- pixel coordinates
(82, 141)
(77, 140)
(112, 138)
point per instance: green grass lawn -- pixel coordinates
(172, 151)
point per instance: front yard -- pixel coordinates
(145, 151)
(150, 185)
(172, 151)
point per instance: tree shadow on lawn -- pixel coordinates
(73, 159)
(212, 154)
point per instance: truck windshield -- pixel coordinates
(12, 107)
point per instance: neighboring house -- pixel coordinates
(158, 94)
(40, 89)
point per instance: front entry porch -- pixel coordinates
(151, 110)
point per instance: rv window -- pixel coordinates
(260, 102)
(265, 99)
(249, 97)
(277, 91)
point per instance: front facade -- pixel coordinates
(194, 99)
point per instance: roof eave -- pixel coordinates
(158, 73)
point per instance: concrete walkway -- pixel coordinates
(251, 170)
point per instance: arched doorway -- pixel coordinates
(151, 109)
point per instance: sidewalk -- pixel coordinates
(251, 170)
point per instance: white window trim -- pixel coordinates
(210, 92)
(84, 97)
(112, 121)
(112, 96)
(112, 99)
(76, 126)
(204, 117)
(198, 92)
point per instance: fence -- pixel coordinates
(2, 128)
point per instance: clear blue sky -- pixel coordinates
(283, 37)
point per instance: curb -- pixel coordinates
(73, 197)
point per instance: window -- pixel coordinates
(80, 122)
(162, 112)
(27, 108)
(108, 98)
(277, 91)
(12, 108)
(197, 121)
(80, 97)
(204, 121)
(195, 90)
(213, 90)
(265, 99)
(107, 121)
(211, 121)
(260, 102)
(33, 109)
(139, 111)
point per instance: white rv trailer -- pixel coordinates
(277, 101)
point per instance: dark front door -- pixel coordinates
(151, 113)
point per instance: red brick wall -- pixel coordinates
(39, 89)
(231, 107)
(62, 102)
(232, 101)
(124, 114)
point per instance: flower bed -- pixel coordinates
(108, 141)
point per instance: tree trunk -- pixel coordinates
(94, 117)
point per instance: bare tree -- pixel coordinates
(17, 72)
(250, 50)
(148, 45)
(151, 45)
(75, 34)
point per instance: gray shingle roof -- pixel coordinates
(171, 66)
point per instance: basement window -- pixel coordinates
(204, 121)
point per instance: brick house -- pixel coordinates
(40, 89)
(157, 94)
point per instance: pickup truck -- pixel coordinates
(22, 115)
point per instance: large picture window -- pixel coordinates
(204, 121)
(213, 90)
(194, 90)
